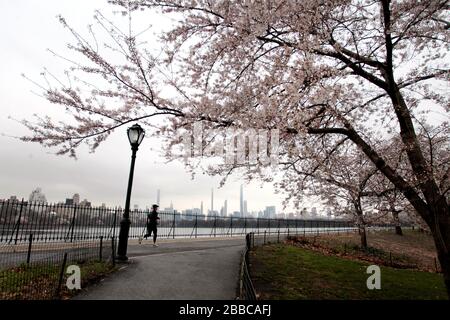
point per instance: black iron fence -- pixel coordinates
(39, 270)
(38, 241)
(37, 238)
(71, 223)
(41, 239)
(246, 289)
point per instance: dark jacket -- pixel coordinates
(152, 218)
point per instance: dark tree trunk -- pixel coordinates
(398, 228)
(363, 235)
(361, 222)
(440, 229)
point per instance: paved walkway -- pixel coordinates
(181, 269)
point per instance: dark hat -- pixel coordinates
(155, 206)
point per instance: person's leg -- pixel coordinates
(155, 234)
(149, 232)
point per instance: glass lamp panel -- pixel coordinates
(141, 136)
(133, 135)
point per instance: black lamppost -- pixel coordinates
(135, 135)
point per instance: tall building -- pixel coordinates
(170, 209)
(245, 209)
(212, 200)
(241, 201)
(225, 208)
(76, 199)
(85, 203)
(270, 212)
(201, 208)
(313, 212)
(37, 196)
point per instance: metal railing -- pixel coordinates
(72, 223)
(246, 289)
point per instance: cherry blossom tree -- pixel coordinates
(435, 143)
(324, 73)
(346, 188)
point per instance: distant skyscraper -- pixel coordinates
(241, 202)
(270, 212)
(76, 199)
(225, 208)
(212, 200)
(171, 205)
(245, 208)
(201, 208)
(85, 203)
(37, 196)
(313, 212)
(158, 197)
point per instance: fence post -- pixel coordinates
(114, 222)
(231, 226)
(73, 223)
(18, 223)
(196, 221)
(215, 225)
(173, 224)
(265, 231)
(304, 228)
(247, 241)
(278, 226)
(113, 251)
(61, 275)
(30, 241)
(101, 248)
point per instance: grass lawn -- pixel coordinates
(287, 272)
(39, 282)
(413, 250)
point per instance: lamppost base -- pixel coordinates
(122, 258)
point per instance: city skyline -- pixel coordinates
(37, 196)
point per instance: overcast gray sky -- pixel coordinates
(27, 29)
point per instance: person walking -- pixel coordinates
(152, 224)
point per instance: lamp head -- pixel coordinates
(135, 135)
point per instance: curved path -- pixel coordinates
(178, 269)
